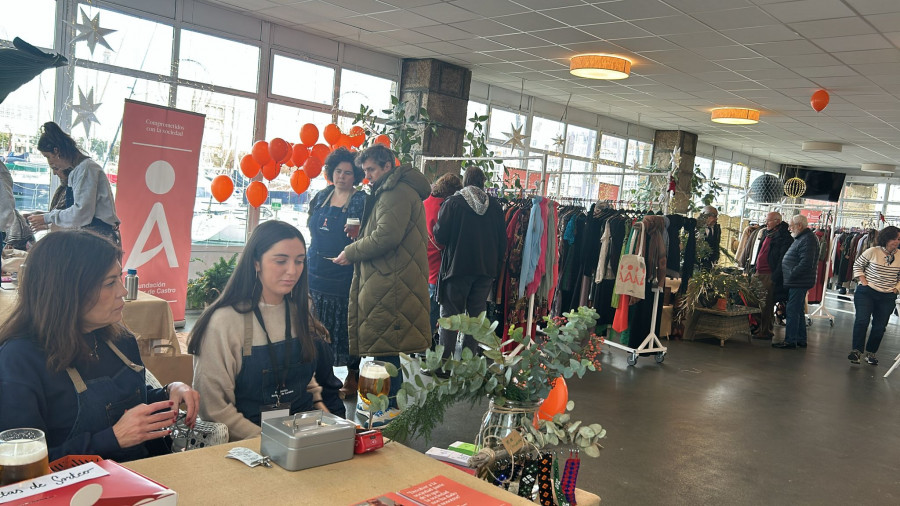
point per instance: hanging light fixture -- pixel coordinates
(735, 116)
(877, 167)
(599, 66)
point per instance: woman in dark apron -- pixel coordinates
(88, 200)
(329, 283)
(67, 365)
(254, 350)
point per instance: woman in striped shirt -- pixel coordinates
(878, 271)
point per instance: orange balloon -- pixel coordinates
(320, 151)
(256, 193)
(819, 100)
(345, 141)
(331, 133)
(260, 152)
(278, 148)
(271, 170)
(249, 166)
(556, 401)
(301, 153)
(221, 187)
(357, 136)
(309, 134)
(299, 181)
(383, 139)
(312, 167)
(289, 156)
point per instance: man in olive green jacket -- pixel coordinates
(389, 307)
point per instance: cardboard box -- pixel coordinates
(104, 483)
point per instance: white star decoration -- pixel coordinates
(676, 158)
(516, 137)
(90, 32)
(559, 142)
(85, 111)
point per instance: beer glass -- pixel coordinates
(352, 228)
(373, 379)
(23, 455)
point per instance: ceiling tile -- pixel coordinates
(369, 23)
(692, 6)
(444, 47)
(736, 18)
(503, 67)
(362, 6)
(853, 43)
(325, 10)
(445, 13)
(700, 39)
(745, 64)
(409, 36)
(542, 4)
(564, 36)
(551, 52)
(543, 65)
(408, 51)
(808, 10)
(616, 30)
(528, 21)
(333, 28)
(510, 55)
(877, 69)
(671, 24)
(480, 44)
(484, 27)
(786, 48)
(491, 8)
(638, 9)
(775, 33)
(445, 32)
(639, 44)
(873, 56)
(868, 7)
(830, 71)
(519, 41)
(578, 15)
(478, 58)
(807, 60)
(885, 22)
(408, 4)
(403, 19)
(725, 52)
(837, 27)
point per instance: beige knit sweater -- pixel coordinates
(219, 362)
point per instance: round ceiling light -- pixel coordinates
(599, 66)
(735, 116)
(836, 147)
(877, 167)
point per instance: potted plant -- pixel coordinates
(707, 288)
(515, 381)
(204, 289)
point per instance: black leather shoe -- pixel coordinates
(802, 345)
(785, 346)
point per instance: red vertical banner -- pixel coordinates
(157, 184)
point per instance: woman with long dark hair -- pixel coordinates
(89, 200)
(329, 283)
(254, 347)
(878, 271)
(67, 364)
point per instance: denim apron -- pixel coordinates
(328, 240)
(272, 376)
(102, 402)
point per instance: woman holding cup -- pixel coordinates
(69, 368)
(334, 217)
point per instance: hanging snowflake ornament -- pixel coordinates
(516, 137)
(559, 142)
(89, 30)
(85, 111)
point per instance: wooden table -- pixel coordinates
(149, 317)
(721, 324)
(205, 476)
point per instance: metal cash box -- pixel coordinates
(307, 440)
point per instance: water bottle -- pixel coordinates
(131, 284)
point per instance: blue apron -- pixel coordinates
(265, 383)
(328, 240)
(102, 402)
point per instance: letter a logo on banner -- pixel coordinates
(157, 185)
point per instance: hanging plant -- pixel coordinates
(401, 129)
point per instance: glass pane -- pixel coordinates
(639, 152)
(580, 141)
(109, 92)
(503, 122)
(895, 192)
(545, 133)
(721, 171)
(612, 148)
(570, 165)
(285, 121)
(705, 165)
(34, 24)
(136, 43)
(362, 89)
(214, 60)
(738, 173)
(472, 109)
(315, 85)
(862, 191)
(227, 137)
(754, 173)
(21, 116)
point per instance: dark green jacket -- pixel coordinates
(389, 304)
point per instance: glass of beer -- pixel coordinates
(23, 455)
(373, 379)
(352, 228)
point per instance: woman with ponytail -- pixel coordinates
(89, 200)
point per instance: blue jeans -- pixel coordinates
(435, 312)
(795, 327)
(875, 306)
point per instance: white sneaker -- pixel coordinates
(382, 418)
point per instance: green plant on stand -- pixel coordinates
(209, 285)
(567, 347)
(401, 129)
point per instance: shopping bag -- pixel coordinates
(168, 367)
(632, 276)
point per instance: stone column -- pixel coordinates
(443, 90)
(663, 143)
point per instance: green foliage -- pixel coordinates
(702, 188)
(475, 146)
(651, 186)
(402, 129)
(568, 348)
(206, 288)
(562, 430)
(706, 287)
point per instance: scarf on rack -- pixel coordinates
(654, 228)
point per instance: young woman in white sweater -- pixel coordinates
(878, 272)
(254, 350)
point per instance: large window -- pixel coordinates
(612, 148)
(222, 62)
(503, 122)
(302, 80)
(545, 133)
(359, 89)
(135, 44)
(34, 24)
(639, 154)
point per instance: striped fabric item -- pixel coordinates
(881, 275)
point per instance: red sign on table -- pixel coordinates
(155, 194)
